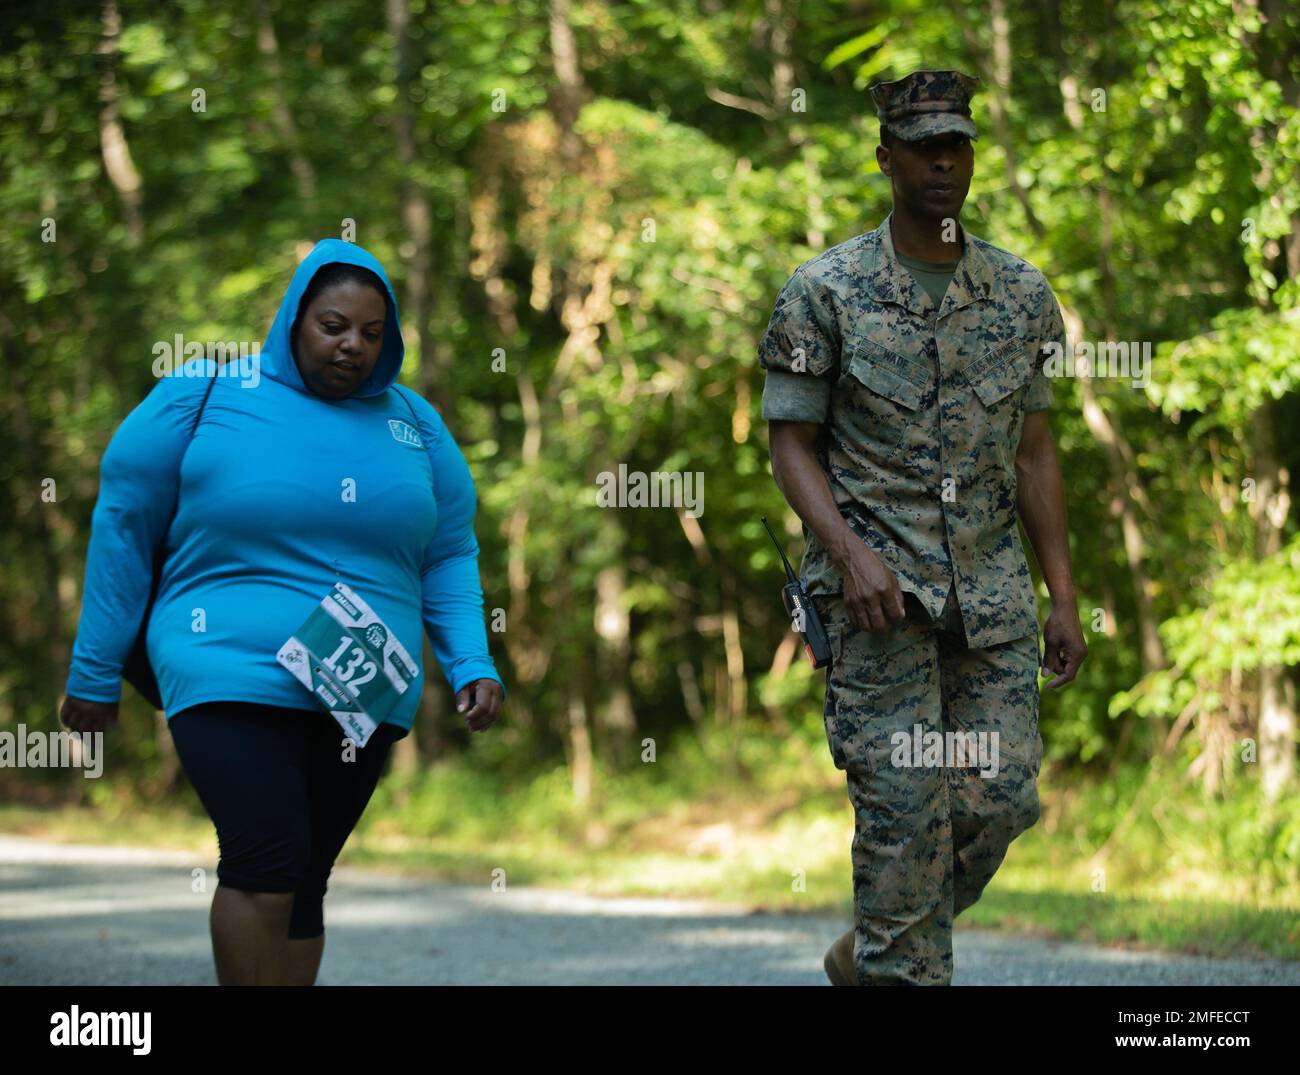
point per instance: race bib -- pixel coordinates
(350, 661)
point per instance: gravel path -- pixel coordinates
(84, 915)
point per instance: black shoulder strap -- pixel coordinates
(206, 392)
(398, 389)
(158, 552)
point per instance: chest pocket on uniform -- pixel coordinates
(884, 392)
(999, 371)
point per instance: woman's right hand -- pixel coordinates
(82, 716)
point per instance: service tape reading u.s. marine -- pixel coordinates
(350, 661)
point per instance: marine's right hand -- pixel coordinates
(873, 599)
(79, 715)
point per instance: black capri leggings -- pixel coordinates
(282, 797)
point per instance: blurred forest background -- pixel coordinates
(608, 196)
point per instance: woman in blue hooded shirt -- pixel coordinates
(315, 470)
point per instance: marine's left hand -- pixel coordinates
(1063, 646)
(482, 699)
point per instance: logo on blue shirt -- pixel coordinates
(405, 432)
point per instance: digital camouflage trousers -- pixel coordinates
(941, 750)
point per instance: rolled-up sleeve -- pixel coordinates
(801, 353)
(452, 596)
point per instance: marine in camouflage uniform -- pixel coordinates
(921, 407)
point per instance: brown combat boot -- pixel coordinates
(839, 961)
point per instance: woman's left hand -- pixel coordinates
(485, 695)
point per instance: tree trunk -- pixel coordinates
(616, 714)
(116, 153)
(580, 756)
(281, 115)
(1277, 714)
(417, 221)
(1130, 502)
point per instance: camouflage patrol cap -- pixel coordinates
(926, 103)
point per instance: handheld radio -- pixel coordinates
(802, 610)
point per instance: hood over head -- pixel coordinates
(277, 356)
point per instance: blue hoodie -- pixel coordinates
(282, 493)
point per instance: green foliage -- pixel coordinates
(1251, 618)
(1249, 356)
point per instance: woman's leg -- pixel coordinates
(248, 763)
(302, 960)
(249, 935)
(340, 781)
